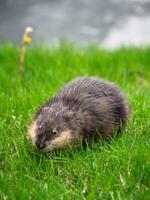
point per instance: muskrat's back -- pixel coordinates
(87, 108)
(100, 99)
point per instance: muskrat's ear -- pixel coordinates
(69, 115)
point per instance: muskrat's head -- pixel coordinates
(51, 129)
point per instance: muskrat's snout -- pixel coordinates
(33, 136)
(39, 145)
(42, 143)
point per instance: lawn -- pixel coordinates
(114, 170)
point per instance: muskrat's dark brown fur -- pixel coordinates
(85, 108)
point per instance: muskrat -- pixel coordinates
(83, 109)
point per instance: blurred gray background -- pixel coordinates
(109, 23)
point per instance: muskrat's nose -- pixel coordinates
(39, 145)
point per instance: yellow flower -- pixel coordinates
(27, 40)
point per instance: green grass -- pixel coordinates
(116, 170)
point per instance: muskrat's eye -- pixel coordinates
(54, 131)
